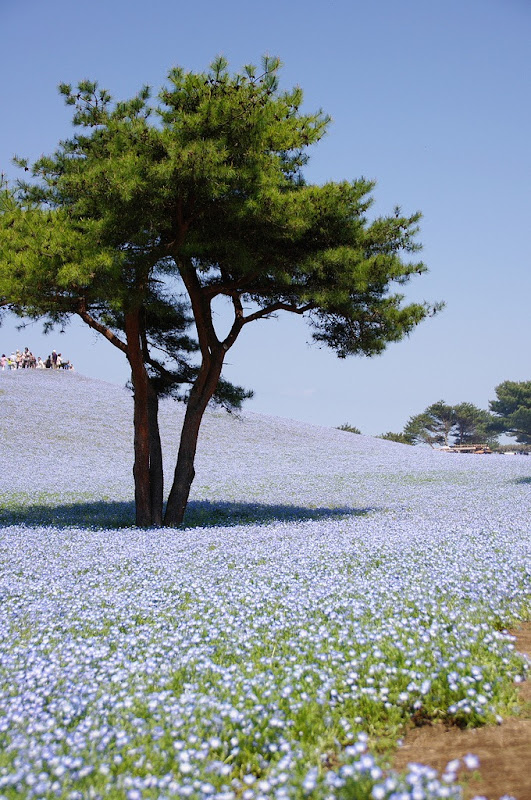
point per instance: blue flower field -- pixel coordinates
(327, 589)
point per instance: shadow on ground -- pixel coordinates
(526, 479)
(113, 514)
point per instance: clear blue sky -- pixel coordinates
(432, 100)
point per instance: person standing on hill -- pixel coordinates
(3, 361)
(54, 359)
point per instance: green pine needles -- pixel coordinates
(156, 207)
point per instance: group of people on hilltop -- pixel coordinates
(26, 360)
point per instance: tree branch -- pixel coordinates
(168, 376)
(265, 312)
(97, 326)
(238, 323)
(228, 287)
(208, 341)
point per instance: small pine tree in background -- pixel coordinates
(401, 438)
(349, 428)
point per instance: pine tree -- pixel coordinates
(193, 198)
(448, 425)
(432, 426)
(473, 425)
(513, 409)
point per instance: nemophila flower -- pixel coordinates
(471, 761)
(250, 658)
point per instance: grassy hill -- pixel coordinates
(329, 589)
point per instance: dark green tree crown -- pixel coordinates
(211, 175)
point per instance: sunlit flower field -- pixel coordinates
(326, 589)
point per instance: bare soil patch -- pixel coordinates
(504, 751)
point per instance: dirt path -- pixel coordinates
(504, 751)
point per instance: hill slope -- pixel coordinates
(70, 437)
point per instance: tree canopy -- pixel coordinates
(432, 426)
(474, 425)
(446, 425)
(513, 409)
(154, 209)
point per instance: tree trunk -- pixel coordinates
(156, 475)
(140, 420)
(137, 344)
(201, 393)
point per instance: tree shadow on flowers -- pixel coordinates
(219, 514)
(121, 514)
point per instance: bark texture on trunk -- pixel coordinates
(141, 420)
(201, 394)
(151, 484)
(156, 475)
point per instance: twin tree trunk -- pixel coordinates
(148, 470)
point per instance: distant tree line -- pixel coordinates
(465, 423)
